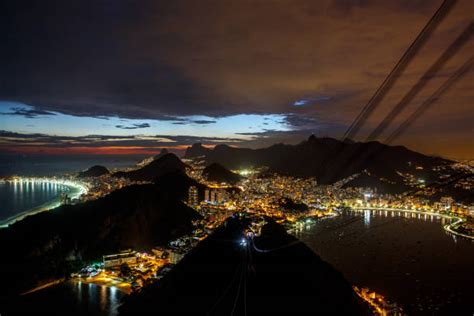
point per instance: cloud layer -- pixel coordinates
(318, 62)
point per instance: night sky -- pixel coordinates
(117, 76)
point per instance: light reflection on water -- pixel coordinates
(100, 297)
(404, 256)
(20, 196)
(103, 297)
(74, 298)
(114, 301)
(367, 218)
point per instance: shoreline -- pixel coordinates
(123, 287)
(76, 188)
(450, 228)
(44, 286)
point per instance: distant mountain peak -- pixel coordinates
(94, 171)
(196, 150)
(148, 160)
(218, 173)
(168, 156)
(163, 152)
(221, 147)
(327, 159)
(165, 164)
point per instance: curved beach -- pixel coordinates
(74, 190)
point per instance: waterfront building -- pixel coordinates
(447, 202)
(116, 260)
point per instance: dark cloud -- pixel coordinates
(9, 140)
(199, 122)
(312, 100)
(302, 122)
(28, 113)
(203, 122)
(160, 59)
(134, 126)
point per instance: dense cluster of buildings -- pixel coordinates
(215, 196)
(263, 195)
(130, 269)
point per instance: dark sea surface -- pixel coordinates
(412, 261)
(69, 298)
(16, 198)
(41, 165)
(20, 196)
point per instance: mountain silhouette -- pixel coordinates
(326, 159)
(218, 173)
(94, 171)
(147, 160)
(158, 167)
(196, 150)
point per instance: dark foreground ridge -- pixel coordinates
(229, 274)
(50, 245)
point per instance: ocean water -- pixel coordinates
(20, 196)
(17, 198)
(411, 260)
(68, 298)
(42, 165)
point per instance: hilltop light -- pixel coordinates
(245, 172)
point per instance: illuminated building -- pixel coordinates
(213, 197)
(221, 196)
(120, 258)
(193, 199)
(447, 202)
(175, 257)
